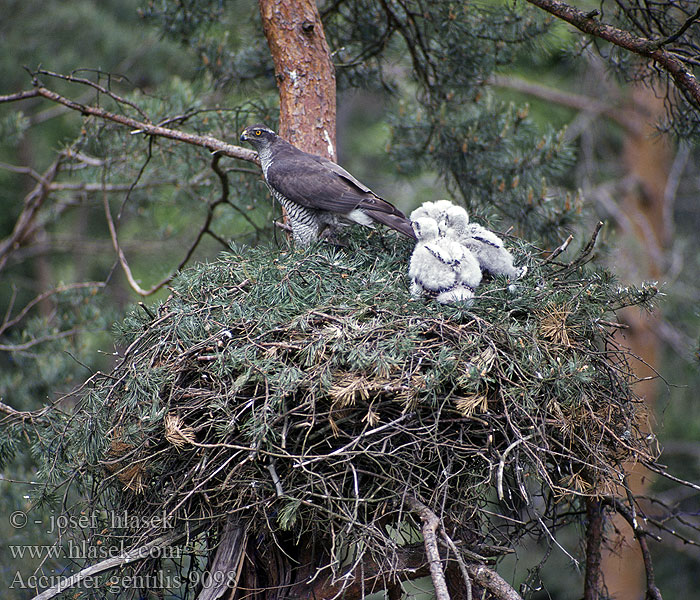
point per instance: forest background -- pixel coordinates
(208, 65)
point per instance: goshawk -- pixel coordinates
(317, 194)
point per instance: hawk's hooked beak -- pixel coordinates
(244, 137)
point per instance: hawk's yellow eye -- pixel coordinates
(258, 132)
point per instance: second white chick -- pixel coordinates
(432, 210)
(485, 245)
(441, 267)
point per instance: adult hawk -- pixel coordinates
(317, 193)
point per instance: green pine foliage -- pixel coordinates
(306, 391)
(492, 159)
(225, 36)
(447, 120)
(13, 127)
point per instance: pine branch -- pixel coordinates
(651, 49)
(682, 29)
(23, 415)
(640, 534)
(205, 141)
(32, 203)
(564, 98)
(493, 582)
(8, 322)
(460, 561)
(205, 228)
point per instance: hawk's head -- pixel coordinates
(258, 135)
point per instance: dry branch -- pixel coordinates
(204, 141)
(493, 582)
(576, 101)
(39, 340)
(460, 561)
(36, 198)
(32, 203)
(431, 524)
(8, 322)
(204, 229)
(640, 535)
(559, 249)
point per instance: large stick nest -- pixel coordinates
(307, 393)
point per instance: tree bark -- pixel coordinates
(306, 81)
(305, 74)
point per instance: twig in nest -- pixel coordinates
(502, 464)
(559, 250)
(430, 526)
(588, 248)
(178, 434)
(23, 415)
(460, 561)
(275, 478)
(145, 309)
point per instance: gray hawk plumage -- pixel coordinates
(316, 193)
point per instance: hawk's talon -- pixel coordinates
(284, 226)
(330, 235)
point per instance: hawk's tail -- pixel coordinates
(396, 221)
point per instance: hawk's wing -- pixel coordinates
(318, 183)
(338, 170)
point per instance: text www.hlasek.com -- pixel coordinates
(83, 550)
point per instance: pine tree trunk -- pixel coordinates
(306, 80)
(305, 74)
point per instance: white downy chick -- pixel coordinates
(468, 276)
(430, 269)
(441, 267)
(454, 223)
(432, 210)
(485, 245)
